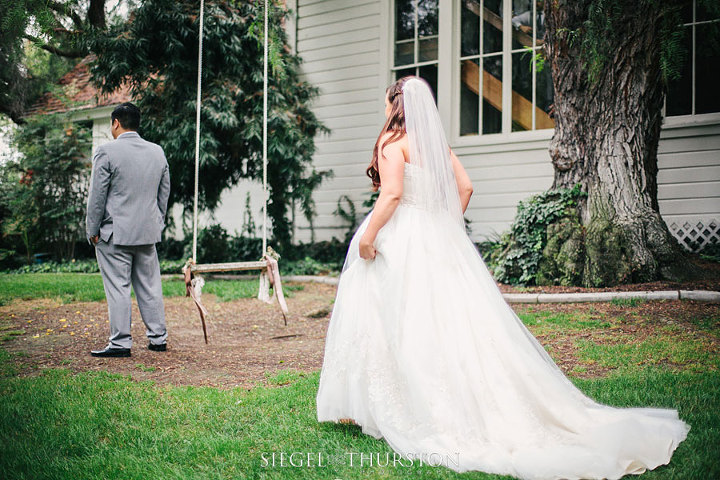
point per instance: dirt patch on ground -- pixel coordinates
(247, 338)
(248, 341)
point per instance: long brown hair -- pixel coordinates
(395, 123)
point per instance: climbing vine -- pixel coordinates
(516, 257)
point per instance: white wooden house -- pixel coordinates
(353, 49)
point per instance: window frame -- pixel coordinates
(506, 135)
(416, 51)
(692, 118)
(448, 95)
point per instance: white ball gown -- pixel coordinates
(423, 351)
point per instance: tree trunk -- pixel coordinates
(96, 14)
(606, 138)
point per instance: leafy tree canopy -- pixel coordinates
(43, 192)
(608, 19)
(155, 52)
(41, 39)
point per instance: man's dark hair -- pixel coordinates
(128, 115)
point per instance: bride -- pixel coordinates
(423, 350)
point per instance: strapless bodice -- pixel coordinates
(410, 195)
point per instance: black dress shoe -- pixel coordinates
(111, 352)
(157, 348)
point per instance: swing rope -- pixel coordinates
(197, 129)
(265, 120)
(270, 273)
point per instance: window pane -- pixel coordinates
(686, 12)
(492, 94)
(492, 26)
(430, 74)
(544, 97)
(427, 18)
(404, 52)
(492, 6)
(522, 24)
(706, 12)
(521, 91)
(679, 96)
(707, 68)
(469, 90)
(470, 28)
(539, 23)
(404, 20)
(404, 72)
(428, 49)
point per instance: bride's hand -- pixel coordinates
(367, 250)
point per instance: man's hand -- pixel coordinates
(95, 239)
(367, 250)
(525, 28)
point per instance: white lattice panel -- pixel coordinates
(695, 236)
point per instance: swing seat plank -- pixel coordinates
(228, 267)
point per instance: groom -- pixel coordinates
(129, 189)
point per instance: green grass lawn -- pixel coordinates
(79, 287)
(98, 425)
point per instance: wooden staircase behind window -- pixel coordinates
(492, 93)
(492, 87)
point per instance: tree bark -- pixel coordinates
(96, 14)
(606, 138)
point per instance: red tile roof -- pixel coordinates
(77, 92)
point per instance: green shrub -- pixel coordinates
(73, 266)
(216, 245)
(326, 251)
(711, 252)
(308, 266)
(44, 191)
(518, 254)
(171, 266)
(171, 249)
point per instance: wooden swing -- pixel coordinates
(268, 266)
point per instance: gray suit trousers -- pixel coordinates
(121, 266)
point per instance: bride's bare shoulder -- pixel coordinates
(400, 144)
(402, 141)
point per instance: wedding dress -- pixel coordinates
(423, 351)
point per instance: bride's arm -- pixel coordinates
(465, 188)
(391, 166)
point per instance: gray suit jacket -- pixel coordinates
(129, 190)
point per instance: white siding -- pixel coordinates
(101, 131)
(689, 174)
(339, 42)
(502, 175)
(232, 208)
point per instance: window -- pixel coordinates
(695, 91)
(527, 96)
(416, 40)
